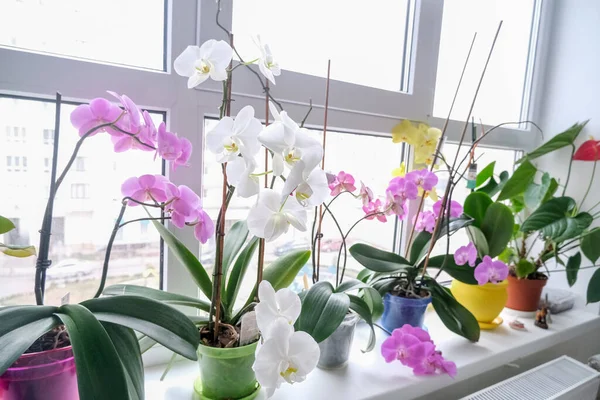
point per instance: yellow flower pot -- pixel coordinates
(485, 302)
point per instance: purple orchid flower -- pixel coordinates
(146, 188)
(466, 254)
(425, 221)
(374, 210)
(490, 271)
(204, 227)
(456, 209)
(99, 111)
(423, 178)
(343, 183)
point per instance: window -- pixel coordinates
(48, 136)
(16, 134)
(46, 164)
(77, 29)
(502, 95)
(80, 191)
(80, 164)
(24, 163)
(8, 162)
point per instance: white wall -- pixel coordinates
(571, 93)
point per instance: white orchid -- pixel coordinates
(240, 173)
(270, 218)
(199, 63)
(232, 137)
(274, 305)
(310, 192)
(266, 64)
(286, 356)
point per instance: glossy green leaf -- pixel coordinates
(463, 273)
(378, 260)
(165, 324)
(419, 246)
(485, 174)
(385, 285)
(146, 343)
(559, 141)
(128, 349)
(590, 245)
(476, 205)
(360, 307)
(237, 274)
(524, 268)
(493, 187)
(517, 204)
(234, 240)
(535, 193)
(593, 290)
(478, 238)
(497, 227)
(374, 302)
(187, 258)
(567, 227)
(519, 181)
(159, 295)
(548, 213)
(551, 190)
(100, 374)
(456, 317)
(572, 268)
(18, 251)
(507, 256)
(17, 316)
(6, 225)
(349, 285)
(364, 275)
(323, 311)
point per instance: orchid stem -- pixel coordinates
(591, 181)
(569, 171)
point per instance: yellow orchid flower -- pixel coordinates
(431, 194)
(405, 132)
(400, 171)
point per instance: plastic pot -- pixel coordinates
(47, 375)
(524, 294)
(335, 350)
(399, 311)
(485, 302)
(226, 373)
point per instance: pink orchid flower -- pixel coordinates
(425, 222)
(204, 227)
(87, 116)
(172, 148)
(365, 194)
(374, 210)
(343, 183)
(130, 122)
(395, 205)
(146, 188)
(423, 178)
(183, 206)
(466, 254)
(403, 188)
(490, 271)
(456, 209)
(432, 363)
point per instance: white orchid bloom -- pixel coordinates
(274, 305)
(240, 173)
(266, 64)
(270, 218)
(199, 63)
(232, 137)
(286, 356)
(310, 192)
(290, 144)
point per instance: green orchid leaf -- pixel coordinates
(524, 268)
(378, 260)
(548, 213)
(456, 317)
(364, 275)
(17, 316)
(187, 258)
(566, 138)
(146, 343)
(485, 174)
(360, 307)
(234, 241)
(323, 311)
(572, 268)
(478, 238)
(463, 273)
(593, 290)
(590, 245)
(100, 373)
(422, 241)
(165, 324)
(350, 284)
(535, 194)
(374, 302)
(497, 227)
(476, 205)
(18, 251)
(128, 349)
(519, 181)
(6, 225)
(237, 274)
(159, 295)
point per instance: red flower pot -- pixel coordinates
(524, 294)
(48, 375)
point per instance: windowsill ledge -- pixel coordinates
(367, 376)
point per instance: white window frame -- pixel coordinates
(352, 108)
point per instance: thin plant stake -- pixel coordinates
(261, 242)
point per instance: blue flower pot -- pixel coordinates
(398, 311)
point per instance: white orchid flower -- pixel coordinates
(270, 218)
(286, 356)
(266, 64)
(310, 192)
(240, 173)
(199, 63)
(232, 137)
(274, 305)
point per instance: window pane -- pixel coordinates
(500, 97)
(129, 32)
(86, 206)
(364, 42)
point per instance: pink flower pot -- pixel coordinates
(48, 375)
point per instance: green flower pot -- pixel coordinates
(226, 373)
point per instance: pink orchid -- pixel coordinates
(172, 148)
(456, 209)
(466, 254)
(425, 222)
(204, 227)
(343, 183)
(403, 188)
(87, 116)
(490, 271)
(365, 194)
(130, 122)
(433, 362)
(395, 205)
(374, 210)
(183, 206)
(146, 188)
(423, 178)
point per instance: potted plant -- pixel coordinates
(90, 349)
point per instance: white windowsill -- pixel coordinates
(367, 376)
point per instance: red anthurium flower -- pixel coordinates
(588, 151)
